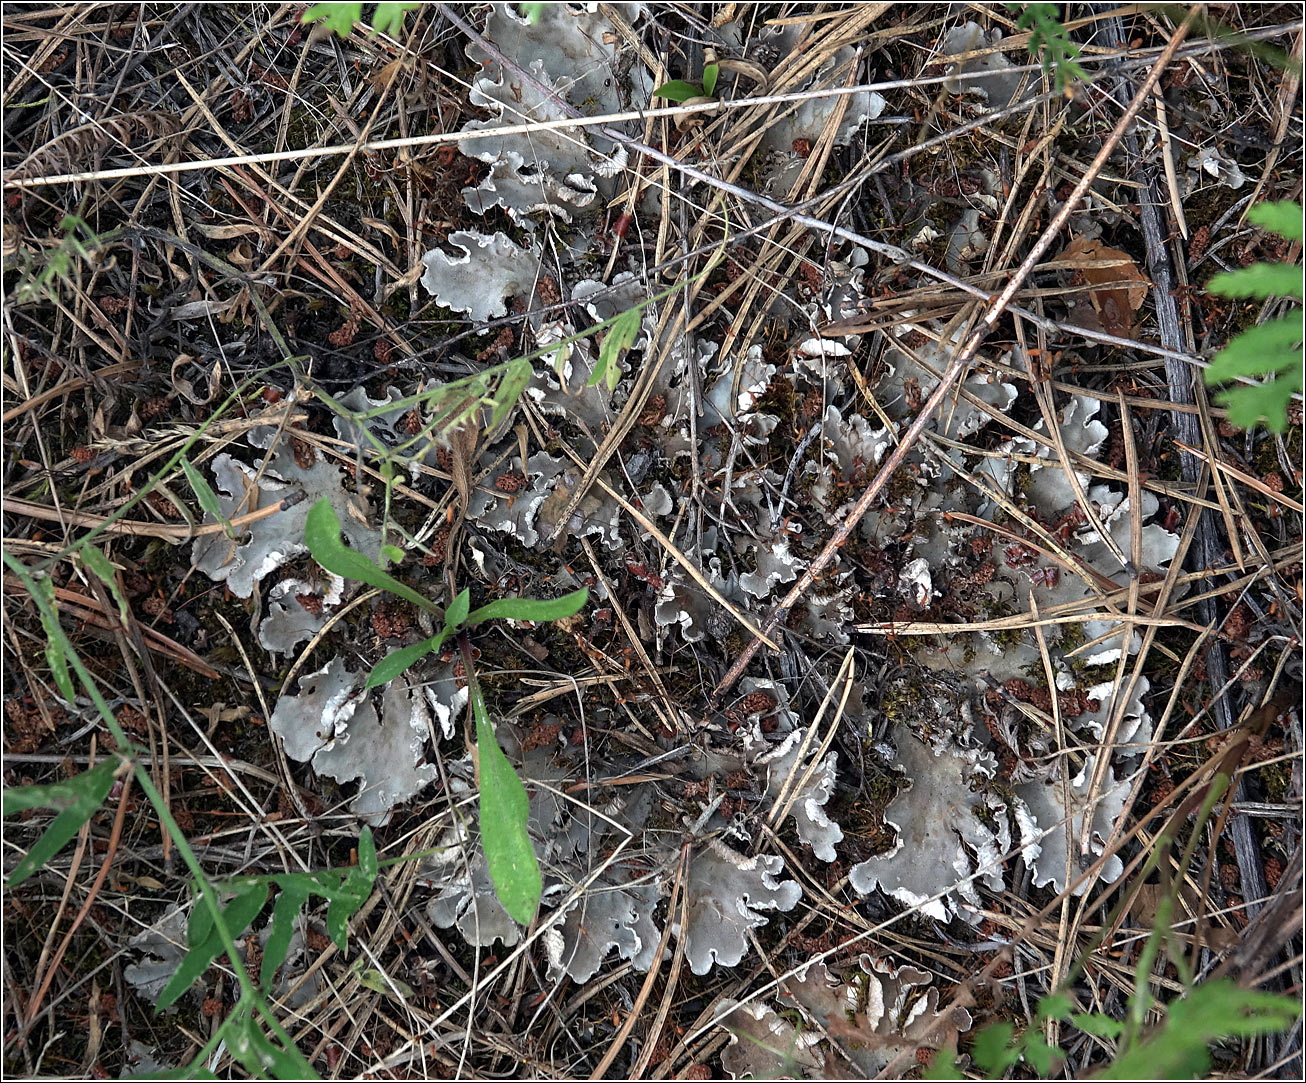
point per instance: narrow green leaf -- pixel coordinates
(393, 554)
(289, 903)
(678, 91)
(78, 798)
(322, 536)
(95, 561)
(56, 641)
(710, 74)
(539, 609)
(368, 865)
(396, 662)
(1260, 280)
(533, 11)
(620, 337)
(237, 916)
(515, 380)
(339, 18)
(1283, 218)
(456, 614)
(206, 496)
(339, 911)
(389, 17)
(504, 809)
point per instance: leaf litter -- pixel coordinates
(952, 766)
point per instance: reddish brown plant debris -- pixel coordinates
(83, 454)
(312, 603)
(305, 453)
(510, 482)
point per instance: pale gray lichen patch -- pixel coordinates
(727, 893)
(937, 830)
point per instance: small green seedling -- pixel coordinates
(503, 803)
(1048, 36)
(677, 90)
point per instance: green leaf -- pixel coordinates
(393, 554)
(710, 74)
(533, 12)
(389, 17)
(1260, 280)
(56, 643)
(206, 496)
(504, 809)
(1038, 1054)
(456, 614)
(620, 337)
(260, 1056)
(383, 983)
(1283, 218)
(539, 609)
(95, 561)
(678, 91)
(943, 1066)
(289, 903)
(1054, 1006)
(1211, 1012)
(237, 916)
(322, 536)
(77, 798)
(992, 1051)
(1247, 406)
(396, 662)
(339, 18)
(515, 379)
(368, 866)
(1268, 347)
(1100, 1026)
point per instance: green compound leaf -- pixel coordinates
(1283, 218)
(1211, 1012)
(1247, 406)
(678, 91)
(1039, 1055)
(237, 915)
(1260, 280)
(992, 1051)
(339, 18)
(1100, 1026)
(322, 536)
(78, 799)
(710, 74)
(1055, 1006)
(503, 811)
(539, 609)
(389, 17)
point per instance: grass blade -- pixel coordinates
(79, 798)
